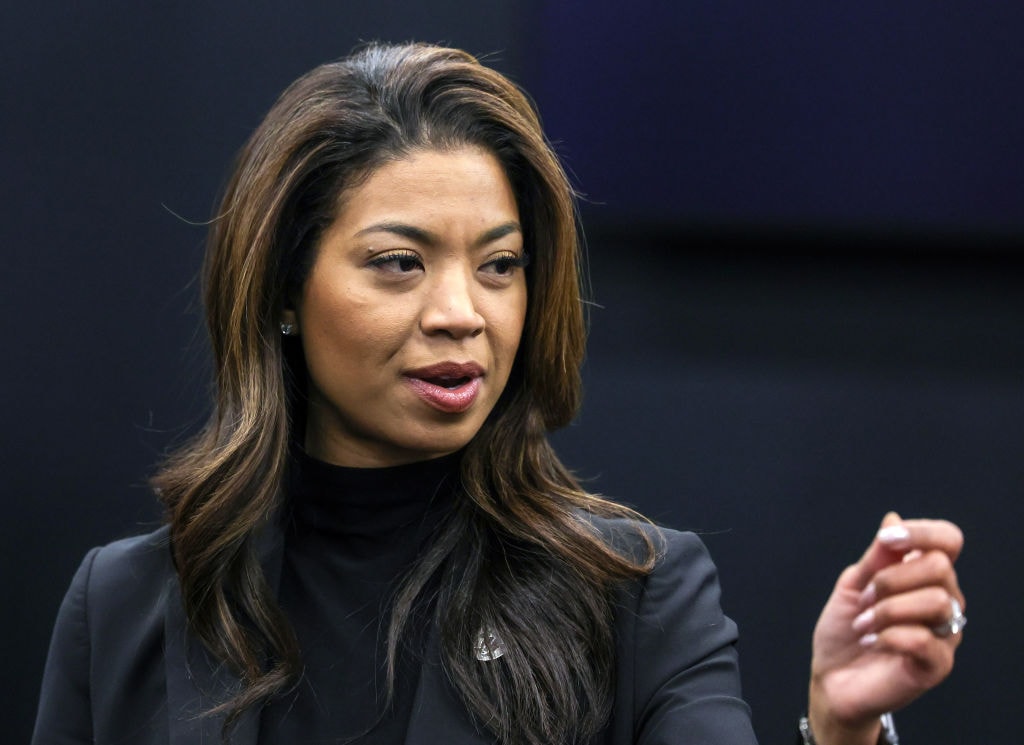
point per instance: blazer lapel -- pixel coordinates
(437, 713)
(195, 682)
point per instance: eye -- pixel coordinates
(505, 265)
(397, 262)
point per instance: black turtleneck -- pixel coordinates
(351, 536)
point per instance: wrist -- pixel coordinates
(830, 729)
(827, 730)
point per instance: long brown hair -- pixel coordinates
(520, 556)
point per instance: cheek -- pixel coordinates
(327, 318)
(509, 319)
(349, 327)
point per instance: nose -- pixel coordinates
(450, 307)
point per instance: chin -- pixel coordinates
(442, 441)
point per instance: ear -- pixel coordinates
(289, 322)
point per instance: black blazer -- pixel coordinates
(122, 668)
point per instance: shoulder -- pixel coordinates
(682, 584)
(106, 639)
(680, 595)
(673, 550)
(131, 573)
(128, 561)
(119, 598)
(677, 669)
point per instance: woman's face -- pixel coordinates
(412, 313)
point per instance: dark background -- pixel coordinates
(803, 223)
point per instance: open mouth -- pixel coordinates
(450, 383)
(449, 387)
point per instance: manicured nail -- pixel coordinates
(894, 536)
(864, 620)
(868, 640)
(868, 596)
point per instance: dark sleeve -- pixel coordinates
(65, 715)
(686, 671)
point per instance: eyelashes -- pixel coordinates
(506, 265)
(397, 262)
(406, 262)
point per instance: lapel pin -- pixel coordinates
(488, 646)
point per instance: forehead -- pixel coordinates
(466, 183)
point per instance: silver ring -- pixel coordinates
(956, 622)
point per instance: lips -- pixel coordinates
(450, 387)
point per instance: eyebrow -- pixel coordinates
(431, 239)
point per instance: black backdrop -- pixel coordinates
(781, 348)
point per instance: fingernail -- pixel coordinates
(868, 640)
(867, 597)
(864, 620)
(911, 555)
(894, 536)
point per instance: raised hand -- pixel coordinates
(889, 631)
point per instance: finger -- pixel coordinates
(879, 554)
(929, 607)
(933, 568)
(928, 659)
(923, 535)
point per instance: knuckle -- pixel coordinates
(883, 614)
(939, 563)
(938, 599)
(920, 643)
(883, 583)
(957, 539)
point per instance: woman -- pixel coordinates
(372, 540)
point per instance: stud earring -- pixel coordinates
(288, 329)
